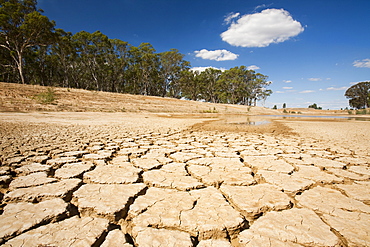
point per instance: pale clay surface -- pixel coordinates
(151, 181)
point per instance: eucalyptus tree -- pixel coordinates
(91, 49)
(22, 26)
(143, 70)
(359, 95)
(210, 84)
(118, 61)
(172, 64)
(191, 85)
(63, 58)
(239, 85)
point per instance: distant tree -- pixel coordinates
(275, 107)
(314, 106)
(22, 26)
(284, 106)
(359, 95)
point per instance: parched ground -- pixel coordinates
(166, 179)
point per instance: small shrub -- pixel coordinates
(47, 97)
(362, 112)
(210, 110)
(285, 111)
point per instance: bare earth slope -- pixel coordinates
(176, 175)
(23, 98)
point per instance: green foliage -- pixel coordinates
(33, 52)
(314, 106)
(359, 95)
(363, 112)
(275, 107)
(22, 27)
(284, 106)
(48, 97)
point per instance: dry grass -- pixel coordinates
(28, 98)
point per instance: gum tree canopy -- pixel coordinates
(22, 26)
(359, 95)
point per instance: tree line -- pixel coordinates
(33, 51)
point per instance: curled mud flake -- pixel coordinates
(173, 176)
(326, 200)
(73, 231)
(19, 217)
(113, 174)
(255, 200)
(33, 179)
(109, 201)
(292, 227)
(62, 189)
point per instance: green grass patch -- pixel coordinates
(47, 97)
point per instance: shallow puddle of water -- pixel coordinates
(321, 116)
(267, 119)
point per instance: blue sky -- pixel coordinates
(312, 50)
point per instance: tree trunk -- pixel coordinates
(20, 66)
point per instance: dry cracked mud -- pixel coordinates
(158, 182)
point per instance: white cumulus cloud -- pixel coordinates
(217, 55)
(364, 63)
(253, 67)
(262, 29)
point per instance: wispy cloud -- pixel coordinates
(262, 29)
(217, 55)
(364, 63)
(287, 88)
(253, 67)
(354, 83)
(230, 17)
(336, 88)
(314, 79)
(307, 91)
(201, 69)
(287, 81)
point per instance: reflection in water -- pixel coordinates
(250, 120)
(252, 123)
